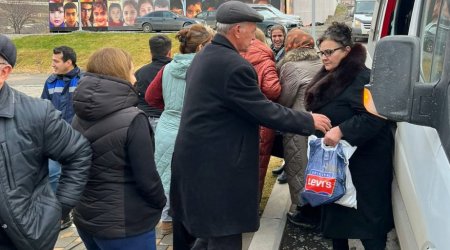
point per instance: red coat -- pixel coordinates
(262, 59)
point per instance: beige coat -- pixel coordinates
(296, 69)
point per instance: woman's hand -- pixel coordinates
(333, 136)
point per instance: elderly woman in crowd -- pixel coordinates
(300, 64)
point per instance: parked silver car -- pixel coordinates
(209, 17)
(268, 7)
(164, 20)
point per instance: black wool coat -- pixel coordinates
(339, 95)
(214, 185)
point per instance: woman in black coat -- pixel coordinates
(337, 92)
(124, 197)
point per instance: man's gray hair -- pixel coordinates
(3, 60)
(223, 28)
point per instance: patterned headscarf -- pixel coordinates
(296, 38)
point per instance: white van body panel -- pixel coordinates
(421, 186)
(422, 173)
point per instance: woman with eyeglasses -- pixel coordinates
(337, 91)
(166, 91)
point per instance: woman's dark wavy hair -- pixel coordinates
(338, 32)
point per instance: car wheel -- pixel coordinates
(186, 24)
(268, 30)
(147, 27)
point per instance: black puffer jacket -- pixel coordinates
(124, 195)
(31, 131)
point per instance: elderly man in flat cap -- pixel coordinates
(214, 191)
(31, 131)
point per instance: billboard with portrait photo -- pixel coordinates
(115, 15)
(87, 18)
(193, 7)
(100, 15)
(71, 14)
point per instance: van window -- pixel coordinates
(435, 26)
(395, 18)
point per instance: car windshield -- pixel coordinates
(275, 11)
(267, 13)
(364, 7)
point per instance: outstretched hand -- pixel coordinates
(321, 122)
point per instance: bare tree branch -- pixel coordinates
(17, 13)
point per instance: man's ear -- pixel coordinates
(69, 62)
(237, 31)
(4, 73)
(169, 53)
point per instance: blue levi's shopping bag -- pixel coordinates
(325, 173)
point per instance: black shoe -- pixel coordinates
(282, 178)
(278, 170)
(66, 222)
(305, 216)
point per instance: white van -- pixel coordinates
(410, 47)
(362, 18)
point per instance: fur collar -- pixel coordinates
(298, 54)
(326, 85)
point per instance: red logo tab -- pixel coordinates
(320, 184)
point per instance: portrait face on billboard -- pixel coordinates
(161, 5)
(144, 7)
(56, 15)
(71, 14)
(100, 14)
(115, 15)
(130, 12)
(262, 1)
(193, 7)
(86, 14)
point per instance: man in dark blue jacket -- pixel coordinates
(31, 131)
(160, 48)
(59, 89)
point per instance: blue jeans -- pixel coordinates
(54, 172)
(145, 241)
(165, 213)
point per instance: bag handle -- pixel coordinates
(326, 147)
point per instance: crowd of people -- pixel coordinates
(185, 141)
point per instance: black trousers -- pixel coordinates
(182, 240)
(369, 244)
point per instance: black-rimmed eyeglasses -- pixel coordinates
(328, 52)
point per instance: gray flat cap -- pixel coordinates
(8, 50)
(237, 12)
